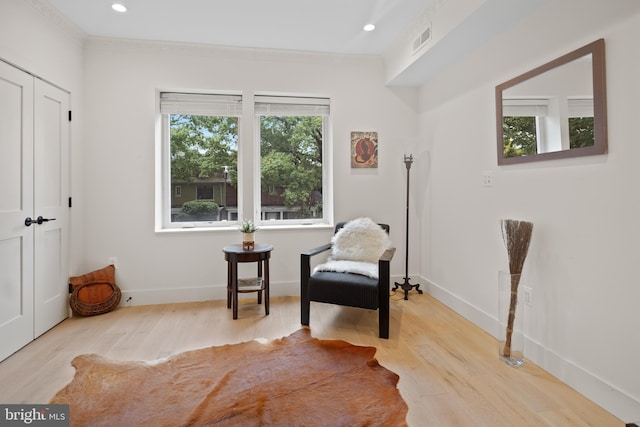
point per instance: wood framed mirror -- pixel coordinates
(555, 111)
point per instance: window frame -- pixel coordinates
(248, 180)
(195, 104)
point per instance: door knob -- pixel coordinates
(28, 221)
(40, 219)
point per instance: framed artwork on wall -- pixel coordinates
(364, 149)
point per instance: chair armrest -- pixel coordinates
(316, 251)
(384, 272)
(305, 265)
(384, 269)
(305, 273)
(387, 255)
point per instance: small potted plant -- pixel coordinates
(248, 228)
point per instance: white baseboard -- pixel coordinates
(612, 399)
(202, 293)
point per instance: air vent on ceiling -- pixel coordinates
(422, 39)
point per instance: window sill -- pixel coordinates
(205, 229)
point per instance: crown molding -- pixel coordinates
(60, 21)
(225, 52)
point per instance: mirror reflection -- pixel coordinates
(554, 111)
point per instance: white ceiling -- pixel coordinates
(334, 26)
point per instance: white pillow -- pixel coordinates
(360, 240)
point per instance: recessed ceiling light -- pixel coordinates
(118, 7)
(369, 27)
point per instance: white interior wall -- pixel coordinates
(582, 325)
(123, 77)
(53, 51)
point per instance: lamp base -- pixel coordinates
(406, 287)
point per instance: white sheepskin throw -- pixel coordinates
(356, 267)
(360, 240)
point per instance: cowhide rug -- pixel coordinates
(293, 381)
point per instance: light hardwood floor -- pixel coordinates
(449, 370)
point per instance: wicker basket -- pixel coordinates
(94, 293)
(90, 309)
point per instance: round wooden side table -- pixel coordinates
(260, 254)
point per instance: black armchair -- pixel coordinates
(346, 288)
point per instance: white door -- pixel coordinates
(16, 179)
(34, 182)
(51, 202)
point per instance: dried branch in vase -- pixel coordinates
(516, 236)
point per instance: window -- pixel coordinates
(581, 122)
(200, 152)
(205, 192)
(292, 137)
(523, 126)
(199, 181)
(543, 125)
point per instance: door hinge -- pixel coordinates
(69, 115)
(70, 202)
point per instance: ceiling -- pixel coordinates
(332, 26)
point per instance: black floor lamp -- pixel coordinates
(406, 286)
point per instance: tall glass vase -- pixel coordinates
(510, 320)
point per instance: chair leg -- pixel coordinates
(383, 298)
(305, 303)
(383, 321)
(305, 308)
